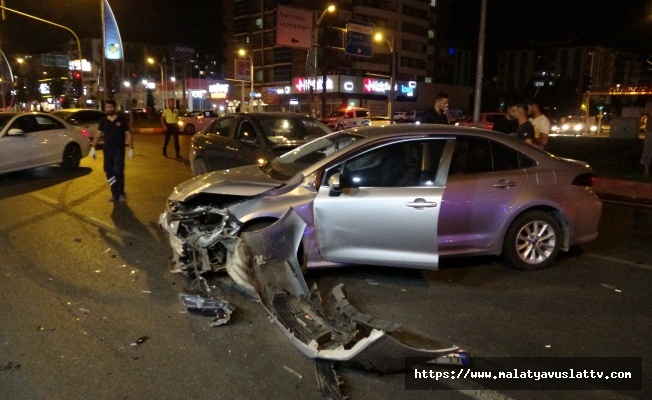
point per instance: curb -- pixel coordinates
(619, 189)
(150, 131)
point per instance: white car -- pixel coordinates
(350, 117)
(195, 121)
(87, 119)
(30, 140)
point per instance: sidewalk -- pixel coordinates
(615, 189)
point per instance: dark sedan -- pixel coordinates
(235, 140)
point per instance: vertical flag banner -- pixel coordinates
(112, 41)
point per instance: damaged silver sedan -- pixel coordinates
(401, 196)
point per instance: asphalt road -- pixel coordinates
(81, 281)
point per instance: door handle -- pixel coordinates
(504, 183)
(421, 204)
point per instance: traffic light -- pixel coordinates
(77, 83)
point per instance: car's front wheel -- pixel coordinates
(532, 241)
(71, 157)
(199, 166)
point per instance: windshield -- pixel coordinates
(281, 130)
(289, 164)
(337, 114)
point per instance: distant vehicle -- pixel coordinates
(379, 121)
(83, 118)
(30, 140)
(405, 116)
(349, 117)
(139, 113)
(486, 120)
(457, 115)
(572, 125)
(239, 139)
(194, 121)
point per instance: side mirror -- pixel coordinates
(248, 139)
(334, 184)
(15, 132)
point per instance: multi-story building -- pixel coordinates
(284, 77)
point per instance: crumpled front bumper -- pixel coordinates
(200, 238)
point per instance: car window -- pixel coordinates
(245, 131)
(362, 113)
(88, 116)
(404, 164)
(27, 124)
(477, 155)
(221, 126)
(46, 123)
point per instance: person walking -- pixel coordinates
(114, 129)
(439, 113)
(170, 121)
(646, 157)
(540, 122)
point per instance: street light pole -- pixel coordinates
(329, 9)
(150, 60)
(243, 52)
(392, 74)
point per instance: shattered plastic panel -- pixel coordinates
(282, 290)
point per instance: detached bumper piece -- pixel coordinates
(328, 381)
(276, 276)
(208, 307)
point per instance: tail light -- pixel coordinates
(585, 179)
(85, 132)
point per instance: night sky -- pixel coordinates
(148, 21)
(624, 25)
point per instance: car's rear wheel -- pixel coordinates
(189, 129)
(532, 241)
(199, 166)
(71, 157)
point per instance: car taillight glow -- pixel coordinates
(85, 132)
(585, 179)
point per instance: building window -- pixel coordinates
(431, 34)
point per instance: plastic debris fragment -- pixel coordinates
(293, 372)
(209, 307)
(140, 340)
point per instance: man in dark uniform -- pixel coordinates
(525, 129)
(439, 113)
(115, 130)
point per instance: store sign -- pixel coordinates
(44, 88)
(219, 88)
(302, 85)
(197, 94)
(408, 89)
(380, 86)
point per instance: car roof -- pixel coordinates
(273, 115)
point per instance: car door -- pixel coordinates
(52, 137)
(388, 208)
(484, 182)
(212, 143)
(244, 148)
(21, 151)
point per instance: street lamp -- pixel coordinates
(150, 60)
(242, 53)
(392, 73)
(329, 9)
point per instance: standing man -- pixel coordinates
(540, 122)
(439, 113)
(170, 121)
(508, 124)
(525, 130)
(114, 129)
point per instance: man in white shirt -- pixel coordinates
(541, 124)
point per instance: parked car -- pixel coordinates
(405, 116)
(486, 120)
(30, 140)
(139, 113)
(349, 117)
(193, 121)
(401, 195)
(234, 140)
(84, 118)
